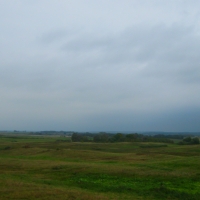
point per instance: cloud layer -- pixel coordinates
(103, 65)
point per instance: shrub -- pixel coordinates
(187, 139)
(7, 148)
(195, 140)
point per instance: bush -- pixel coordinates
(195, 140)
(7, 148)
(187, 139)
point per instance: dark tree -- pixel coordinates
(76, 137)
(101, 137)
(187, 139)
(195, 140)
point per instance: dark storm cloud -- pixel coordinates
(178, 120)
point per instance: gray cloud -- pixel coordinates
(53, 36)
(71, 66)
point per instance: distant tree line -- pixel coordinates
(104, 137)
(190, 140)
(61, 133)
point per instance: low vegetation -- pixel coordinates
(103, 137)
(47, 168)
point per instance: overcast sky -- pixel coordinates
(100, 65)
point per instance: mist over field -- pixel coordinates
(100, 65)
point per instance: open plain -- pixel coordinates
(48, 168)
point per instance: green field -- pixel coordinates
(48, 168)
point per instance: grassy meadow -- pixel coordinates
(48, 168)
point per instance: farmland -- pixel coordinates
(47, 168)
